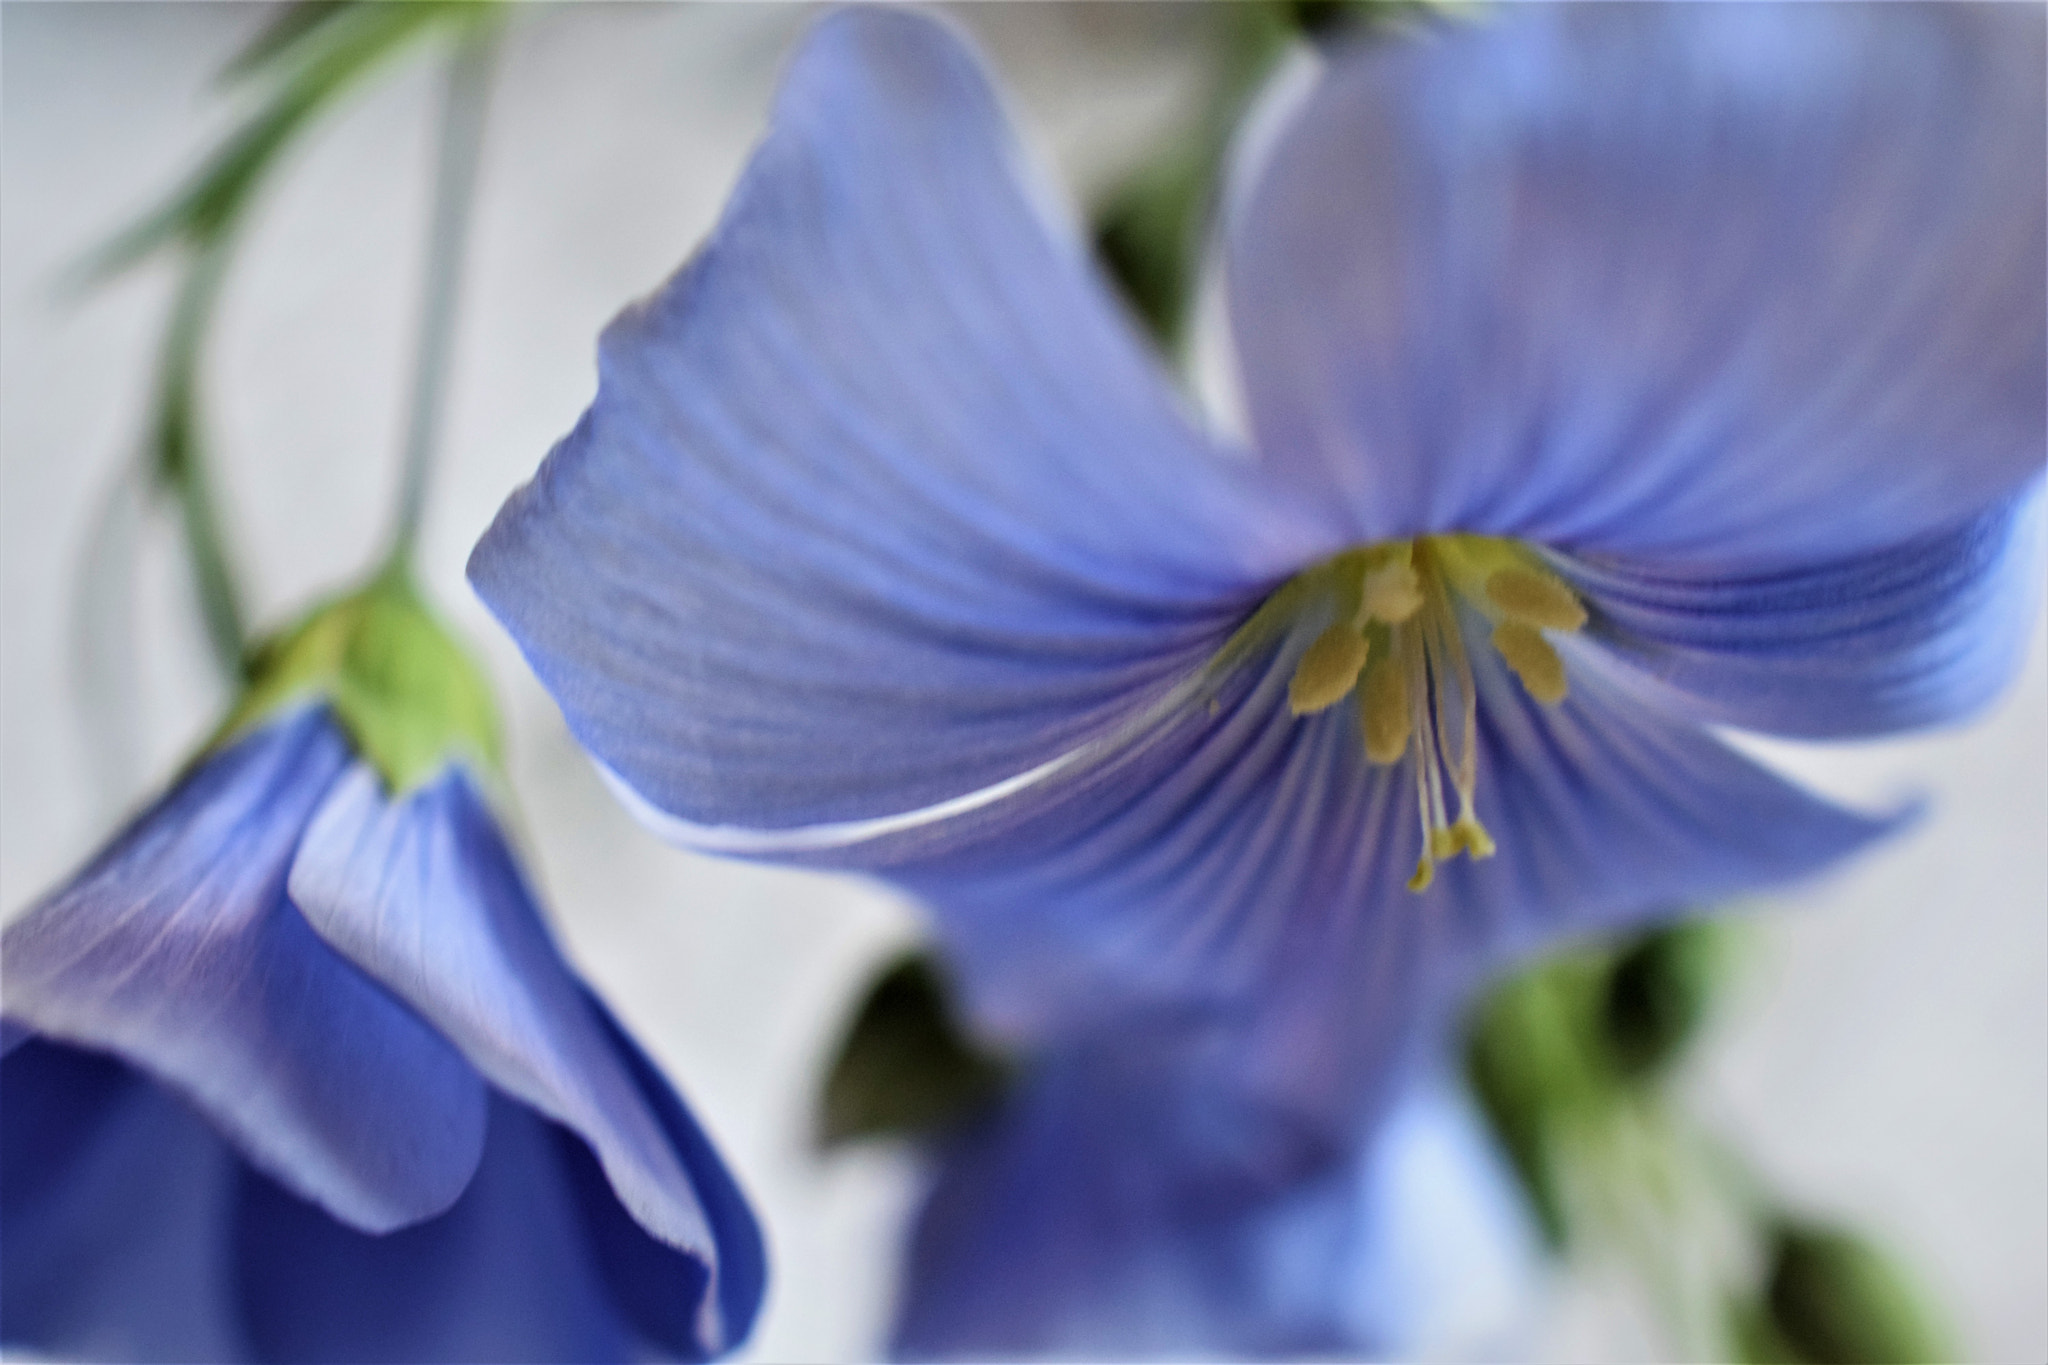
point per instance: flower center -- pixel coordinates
(1396, 643)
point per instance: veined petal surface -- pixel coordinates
(423, 894)
(1736, 287)
(881, 500)
(1914, 634)
(1254, 864)
(177, 951)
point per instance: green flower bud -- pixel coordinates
(1660, 991)
(906, 1066)
(1834, 1299)
(408, 696)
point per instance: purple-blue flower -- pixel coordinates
(1116, 1205)
(294, 1071)
(1612, 372)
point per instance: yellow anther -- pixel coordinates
(1383, 712)
(1533, 660)
(1536, 599)
(1327, 670)
(1400, 642)
(1392, 593)
(1472, 837)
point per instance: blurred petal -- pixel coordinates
(1739, 286)
(423, 894)
(1076, 1221)
(113, 1234)
(881, 501)
(177, 951)
(505, 1275)
(1919, 633)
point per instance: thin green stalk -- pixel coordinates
(462, 128)
(180, 457)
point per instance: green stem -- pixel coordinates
(462, 127)
(180, 455)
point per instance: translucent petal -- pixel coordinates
(881, 499)
(1253, 865)
(1913, 635)
(177, 951)
(423, 894)
(1738, 286)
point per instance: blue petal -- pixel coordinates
(113, 1214)
(1078, 1220)
(1253, 865)
(423, 894)
(880, 501)
(1743, 286)
(1920, 633)
(642, 1273)
(506, 1275)
(177, 951)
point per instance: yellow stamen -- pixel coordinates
(1533, 660)
(1383, 709)
(1472, 837)
(1536, 599)
(1327, 670)
(1392, 593)
(1401, 645)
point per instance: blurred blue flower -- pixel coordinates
(1612, 373)
(1105, 1210)
(294, 1071)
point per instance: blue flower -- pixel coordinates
(294, 1071)
(1613, 373)
(1105, 1210)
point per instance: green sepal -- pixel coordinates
(409, 697)
(906, 1067)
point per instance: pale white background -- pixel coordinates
(1888, 1054)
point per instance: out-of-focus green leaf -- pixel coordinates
(315, 58)
(1660, 990)
(291, 30)
(1835, 1299)
(1528, 1063)
(905, 1067)
(1151, 229)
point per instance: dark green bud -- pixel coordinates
(1319, 19)
(906, 1066)
(1834, 1299)
(409, 697)
(1659, 992)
